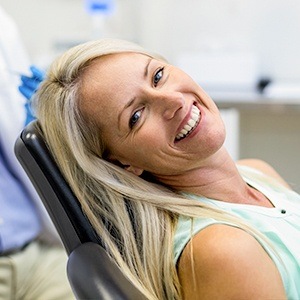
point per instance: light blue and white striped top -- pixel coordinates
(280, 224)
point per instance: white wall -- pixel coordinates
(270, 28)
(48, 25)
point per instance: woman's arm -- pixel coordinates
(228, 263)
(265, 168)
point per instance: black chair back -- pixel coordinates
(59, 200)
(91, 272)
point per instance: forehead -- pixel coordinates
(111, 67)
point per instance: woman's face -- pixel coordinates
(152, 115)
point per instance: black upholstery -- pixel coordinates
(56, 195)
(91, 272)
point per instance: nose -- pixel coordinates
(168, 103)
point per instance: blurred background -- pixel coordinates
(245, 53)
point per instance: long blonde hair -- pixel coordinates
(136, 219)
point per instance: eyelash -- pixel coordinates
(159, 71)
(133, 121)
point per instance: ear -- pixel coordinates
(134, 170)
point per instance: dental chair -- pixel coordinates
(91, 273)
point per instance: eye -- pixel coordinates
(135, 118)
(157, 76)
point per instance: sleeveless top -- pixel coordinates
(280, 224)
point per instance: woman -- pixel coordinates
(141, 144)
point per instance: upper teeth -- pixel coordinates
(190, 125)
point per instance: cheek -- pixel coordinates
(146, 151)
(147, 143)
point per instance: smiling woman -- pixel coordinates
(123, 123)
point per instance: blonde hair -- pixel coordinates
(135, 219)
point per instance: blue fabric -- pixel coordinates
(19, 222)
(280, 224)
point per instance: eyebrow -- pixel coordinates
(131, 101)
(147, 67)
(128, 104)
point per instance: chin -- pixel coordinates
(215, 141)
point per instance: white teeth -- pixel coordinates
(191, 124)
(183, 131)
(187, 127)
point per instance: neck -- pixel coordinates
(217, 178)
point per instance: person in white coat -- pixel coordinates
(32, 259)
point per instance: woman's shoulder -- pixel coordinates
(264, 168)
(228, 261)
(216, 244)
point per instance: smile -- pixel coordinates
(190, 125)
